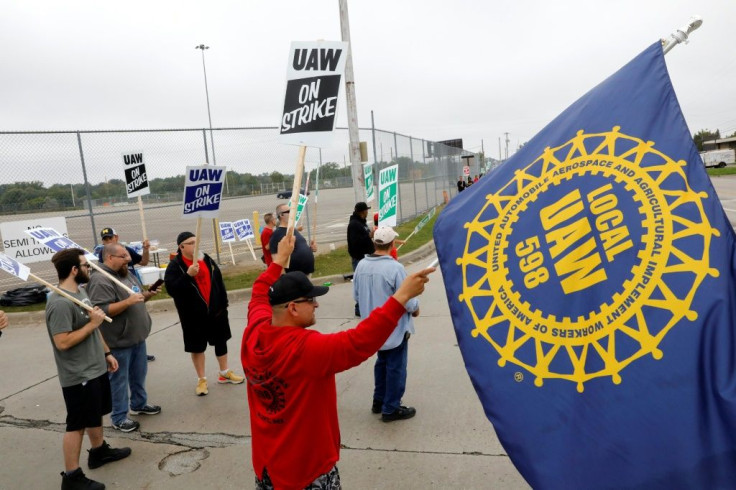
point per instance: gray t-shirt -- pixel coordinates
(133, 324)
(84, 361)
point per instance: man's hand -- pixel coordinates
(112, 363)
(193, 269)
(313, 245)
(135, 298)
(96, 316)
(285, 247)
(413, 285)
(151, 293)
(146, 244)
(3, 320)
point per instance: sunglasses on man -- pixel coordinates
(305, 300)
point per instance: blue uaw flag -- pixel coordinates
(592, 294)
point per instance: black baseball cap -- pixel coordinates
(184, 235)
(361, 206)
(293, 285)
(107, 233)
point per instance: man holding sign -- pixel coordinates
(201, 301)
(126, 335)
(291, 373)
(302, 259)
(269, 224)
(108, 236)
(82, 361)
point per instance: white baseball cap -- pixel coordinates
(384, 235)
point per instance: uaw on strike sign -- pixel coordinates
(136, 179)
(312, 86)
(203, 191)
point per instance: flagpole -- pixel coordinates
(681, 34)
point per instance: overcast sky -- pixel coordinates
(431, 69)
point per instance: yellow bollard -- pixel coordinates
(256, 227)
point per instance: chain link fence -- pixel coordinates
(79, 175)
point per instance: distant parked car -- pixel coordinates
(287, 194)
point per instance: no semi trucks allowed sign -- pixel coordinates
(203, 191)
(312, 86)
(26, 250)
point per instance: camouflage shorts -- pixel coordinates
(328, 481)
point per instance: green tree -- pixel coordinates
(705, 135)
(277, 177)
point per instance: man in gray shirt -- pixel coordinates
(126, 335)
(82, 361)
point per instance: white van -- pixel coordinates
(718, 158)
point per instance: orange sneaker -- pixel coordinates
(230, 377)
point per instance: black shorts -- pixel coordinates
(216, 333)
(195, 340)
(87, 403)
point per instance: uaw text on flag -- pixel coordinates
(591, 284)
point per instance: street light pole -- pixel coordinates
(212, 141)
(207, 93)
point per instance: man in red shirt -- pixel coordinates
(270, 224)
(291, 373)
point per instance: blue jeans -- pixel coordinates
(131, 375)
(390, 376)
(355, 261)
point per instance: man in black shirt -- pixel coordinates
(302, 258)
(360, 238)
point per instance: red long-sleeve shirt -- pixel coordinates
(291, 386)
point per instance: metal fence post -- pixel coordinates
(206, 153)
(398, 184)
(413, 180)
(374, 170)
(86, 186)
(434, 181)
(424, 177)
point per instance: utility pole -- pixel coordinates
(483, 152)
(207, 94)
(507, 145)
(356, 168)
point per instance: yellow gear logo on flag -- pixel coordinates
(569, 269)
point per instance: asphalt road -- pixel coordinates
(164, 222)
